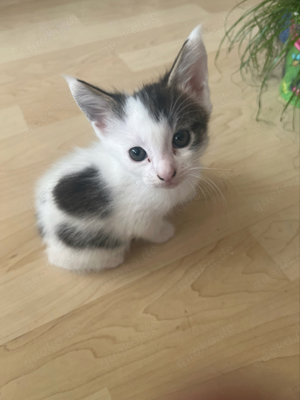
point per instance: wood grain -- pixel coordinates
(213, 313)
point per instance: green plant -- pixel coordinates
(257, 34)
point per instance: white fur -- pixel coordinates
(141, 199)
(142, 203)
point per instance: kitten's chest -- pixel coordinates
(151, 202)
(136, 211)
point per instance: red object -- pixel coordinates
(294, 30)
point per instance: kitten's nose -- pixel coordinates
(167, 176)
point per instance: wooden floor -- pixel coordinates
(214, 313)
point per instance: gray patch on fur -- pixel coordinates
(80, 239)
(83, 194)
(181, 111)
(41, 229)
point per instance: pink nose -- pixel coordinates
(167, 176)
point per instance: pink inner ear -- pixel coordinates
(101, 125)
(194, 85)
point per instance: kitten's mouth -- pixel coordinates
(170, 185)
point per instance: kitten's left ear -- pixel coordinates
(189, 70)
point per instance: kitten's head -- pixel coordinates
(158, 132)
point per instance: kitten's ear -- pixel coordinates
(189, 70)
(96, 104)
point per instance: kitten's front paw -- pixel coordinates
(167, 231)
(114, 262)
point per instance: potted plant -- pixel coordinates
(268, 36)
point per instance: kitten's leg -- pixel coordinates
(84, 260)
(160, 231)
(116, 258)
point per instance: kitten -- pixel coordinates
(91, 204)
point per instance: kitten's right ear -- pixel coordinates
(189, 71)
(96, 104)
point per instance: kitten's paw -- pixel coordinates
(166, 232)
(114, 262)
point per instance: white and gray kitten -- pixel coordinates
(91, 204)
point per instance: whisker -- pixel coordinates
(211, 194)
(195, 183)
(210, 190)
(219, 169)
(237, 189)
(216, 169)
(221, 194)
(191, 186)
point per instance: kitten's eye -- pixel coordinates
(181, 139)
(137, 154)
